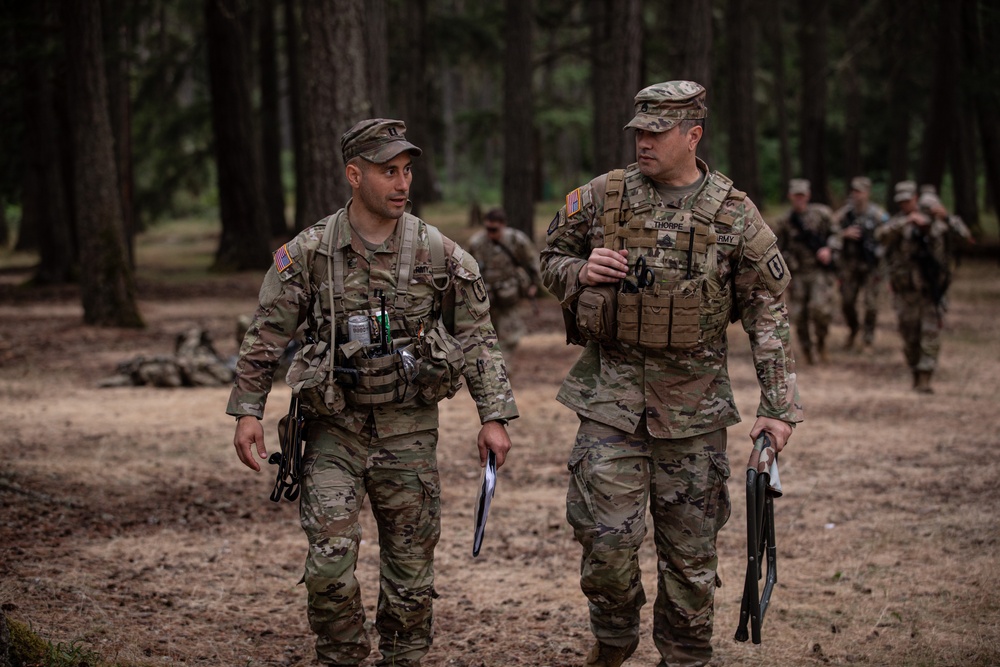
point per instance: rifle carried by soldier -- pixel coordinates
(934, 275)
(763, 486)
(867, 242)
(291, 433)
(809, 238)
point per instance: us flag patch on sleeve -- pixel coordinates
(282, 260)
(573, 202)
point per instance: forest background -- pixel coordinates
(118, 115)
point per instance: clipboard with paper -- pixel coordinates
(487, 485)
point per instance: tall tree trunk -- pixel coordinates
(741, 50)
(377, 56)
(518, 117)
(119, 33)
(963, 153)
(270, 121)
(939, 130)
(107, 285)
(774, 35)
(984, 80)
(899, 87)
(244, 242)
(694, 61)
(46, 209)
(415, 102)
(4, 225)
(814, 20)
(616, 43)
(334, 97)
(852, 98)
(296, 119)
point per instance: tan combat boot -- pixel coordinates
(924, 383)
(602, 655)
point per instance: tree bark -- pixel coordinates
(120, 105)
(963, 153)
(616, 43)
(377, 56)
(334, 96)
(741, 49)
(106, 282)
(244, 242)
(850, 78)
(296, 119)
(774, 34)
(518, 117)
(415, 102)
(899, 93)
(985, 82)
(270, 121)
(814, 20)
(939, 130)
(694, 61)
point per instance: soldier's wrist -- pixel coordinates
(239, 417)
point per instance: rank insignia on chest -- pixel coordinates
(573, 202)
(282, 260)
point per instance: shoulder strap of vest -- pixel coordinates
(612, 206)
(404, 264)
(439, 272)
(708, 202)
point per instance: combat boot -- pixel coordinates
(603, 655)
(924, 383)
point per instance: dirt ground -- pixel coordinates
(128, 524)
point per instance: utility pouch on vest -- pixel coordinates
(308, 371)
(669, 320)
(629, 304)
(596, 313)
(440, 368)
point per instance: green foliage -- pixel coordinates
(30, 650)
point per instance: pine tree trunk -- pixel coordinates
(963, 153)
(377, 56)
(900, 97)
(244, 241)
(415, 102)
(106, 282)
(518, 117)
(741, 49)
(334, 96)
(616, 43)
(985, 82)
(296, 120)
(270, 121)
(939, 130)
(694, 61)
(774, 34)
(120, 106)
(814, 20)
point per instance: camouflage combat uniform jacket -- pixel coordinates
(299, 275)
(864, 254)
(680, 393)
(513, 259)
(917, 257)
(798, 248)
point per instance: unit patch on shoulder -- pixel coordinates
(554, 225)
(776, 267)
(282, 260)
(573, 203)
(479, 289)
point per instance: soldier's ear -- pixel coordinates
(694, 136)
(353, 172)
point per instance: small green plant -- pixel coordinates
(30, 650)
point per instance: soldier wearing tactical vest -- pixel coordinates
(508, 261)
(803, 236)
(369, 386)
(920, 242)
(652, 263)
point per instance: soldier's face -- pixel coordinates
(800, 201)
(908, 205)
(494, 229)
(661, 155)
(860, 198)
(384, 188)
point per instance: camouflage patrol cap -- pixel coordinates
(905, 191)
(927, 187)
(799, 186)
(861, 184)
(928, 200)
(377, 140)
(661, 106)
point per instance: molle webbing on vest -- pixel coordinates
(613, 220)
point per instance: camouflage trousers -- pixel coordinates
(867, 283)
(399, 475)
(811, 305)
(509, 326)
(614, 475)
(920, 324)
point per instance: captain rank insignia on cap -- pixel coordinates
(282, 260)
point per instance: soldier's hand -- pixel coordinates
(919, 219)
(493, 437)
(778, 430)
(604, 266)
(853, 232)
(249, 432)
(824, 255)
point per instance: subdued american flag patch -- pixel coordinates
(573, 202)
(282, 260)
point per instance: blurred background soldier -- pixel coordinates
(858, 257)
(920, 244)
(803, 234)
(195, 363)
(508, 262)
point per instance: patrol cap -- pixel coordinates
(927, 187)
(377, 140)
(929, 200)
(799, 186)
(861, 184)
(661, 106)
(905, 191)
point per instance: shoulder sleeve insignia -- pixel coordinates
(573, 202)
(479, 289)
(282, 260)
(554, 225)
(776, 267)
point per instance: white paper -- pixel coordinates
(487, 485)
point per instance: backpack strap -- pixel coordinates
(404, 264)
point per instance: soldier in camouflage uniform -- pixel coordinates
(803, 234)
(919, 243)
(859, 257)
(508, 261)
(652, 392)
(371, 409)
